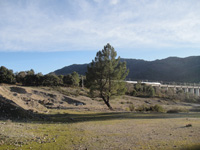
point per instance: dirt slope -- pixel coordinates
(36, 100)
(42, 99)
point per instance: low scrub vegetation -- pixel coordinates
(145, 108)
(140, 90)
(131, 107)
(154, 108)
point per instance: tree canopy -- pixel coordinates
(29, 78)
(6, 76)
(106, 74)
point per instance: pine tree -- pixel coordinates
(106, 74)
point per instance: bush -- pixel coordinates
(142, 90)
(157, 108)
(142, 108)
(131, 107)
(6, 75)
(134, 93)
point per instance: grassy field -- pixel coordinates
(64, 129)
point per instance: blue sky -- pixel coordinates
(46, 35)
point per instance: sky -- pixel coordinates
(46, 35)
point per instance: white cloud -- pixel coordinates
(114, 2)
(86, 25)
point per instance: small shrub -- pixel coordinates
(133, 93)
(157, 108)
(131, 107)
(142, 108)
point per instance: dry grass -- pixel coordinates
(93, 126)
(96, 131)
(141, 134)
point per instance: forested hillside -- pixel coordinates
(172, 69)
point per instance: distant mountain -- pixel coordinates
(172, 69)
(79, 68)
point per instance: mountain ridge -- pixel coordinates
(171, 69)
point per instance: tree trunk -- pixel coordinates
(107, 102)
(109, 106)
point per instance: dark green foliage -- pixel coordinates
(67, 79)
(20, 77)
(51, 80)
(75, 79)
(6, 76)
(29, 78)
(141, 90)
(71, 79)
(106, 74)
(33, 80)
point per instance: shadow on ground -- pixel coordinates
(74, 118)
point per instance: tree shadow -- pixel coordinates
(76, 118)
